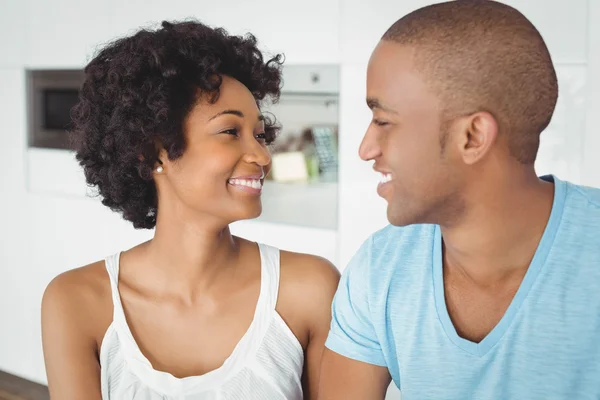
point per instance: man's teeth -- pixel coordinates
(386, 178)
(251, 183)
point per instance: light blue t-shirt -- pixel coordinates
(390, 311)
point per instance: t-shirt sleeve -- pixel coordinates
(352, 333)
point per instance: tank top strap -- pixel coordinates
(270, 275)
(112, 268)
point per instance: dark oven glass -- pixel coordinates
(57, 104)
(51, 95)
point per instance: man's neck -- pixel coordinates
(500, 230)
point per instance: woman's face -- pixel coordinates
(222, 170)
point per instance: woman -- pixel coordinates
(169, 130)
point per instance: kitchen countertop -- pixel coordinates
(304, 204)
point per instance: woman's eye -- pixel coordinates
(379, 122)
(232, 131)
(261, 136)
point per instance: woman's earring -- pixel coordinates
(159, 169)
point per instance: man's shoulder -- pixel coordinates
(584, 197)
(401, 243)
(398, 236)
(581, 215)
(393, 249)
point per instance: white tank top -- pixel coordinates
(266, 364)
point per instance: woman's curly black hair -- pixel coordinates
(137, 93)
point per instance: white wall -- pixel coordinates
(44, 233)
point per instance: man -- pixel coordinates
(486, 283)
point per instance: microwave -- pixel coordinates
(51, 94)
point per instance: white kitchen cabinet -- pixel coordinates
(306, 31)
(562, 143)
(65, 33)
(563, 25)
(12, 36)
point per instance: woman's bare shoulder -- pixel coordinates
(309, 273)
(308, 284)
(79, 297)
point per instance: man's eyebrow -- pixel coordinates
(374, 103)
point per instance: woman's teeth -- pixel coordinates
(386, 178)
(251, 183)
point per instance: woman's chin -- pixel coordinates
(248, 213)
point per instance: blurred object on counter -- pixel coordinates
(326, 147)
(318, 144)
(290, 167)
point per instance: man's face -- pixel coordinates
(405, 139)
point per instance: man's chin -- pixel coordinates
(399, 219)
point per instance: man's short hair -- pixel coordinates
(481, 55)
